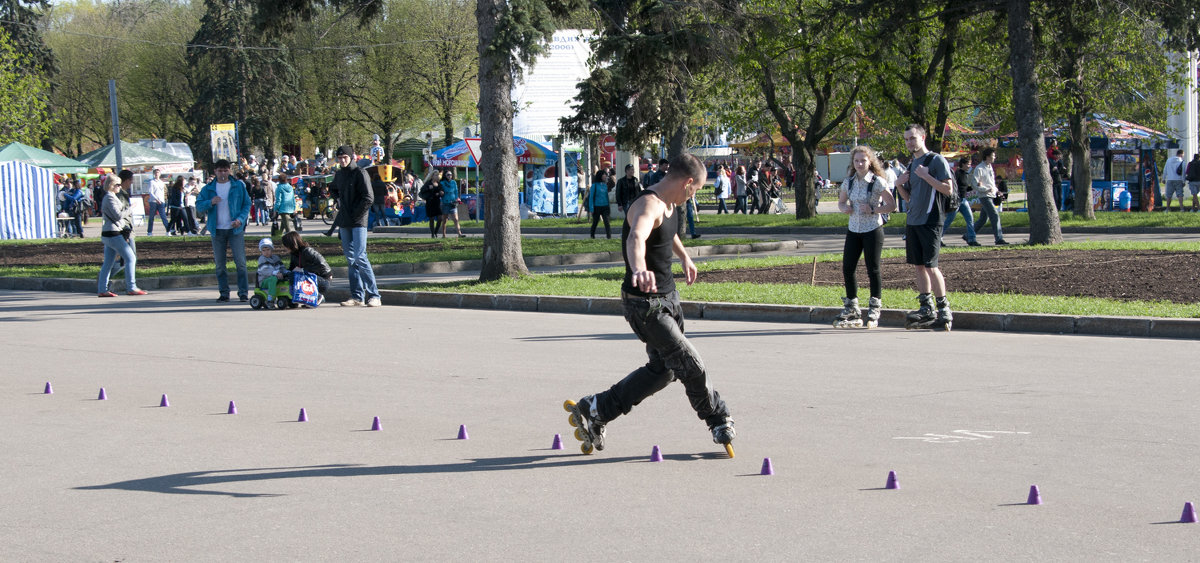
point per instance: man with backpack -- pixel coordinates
(1175, 179)
(924, 186)
(1193, 180)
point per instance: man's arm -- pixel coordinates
(645, 215)
(204, 199)
(363, 182)
(942, 186)
(689, 267)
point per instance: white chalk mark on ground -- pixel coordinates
(958, 436)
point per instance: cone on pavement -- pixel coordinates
(557, 445)
(1189, 514)
(232, 408)
(892, 483)
(655, 454)
(1035, 496)
(103, 396)
(49, 390)
(767, 469)
(375, 425)
(303, 415)
(164, 402)
(462, 432)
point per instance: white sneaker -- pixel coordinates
(374, 302)
(352, 303)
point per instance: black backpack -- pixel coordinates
(948, 202)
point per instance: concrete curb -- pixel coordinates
(963, 320)
(890, 230)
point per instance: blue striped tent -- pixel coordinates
(27, 201)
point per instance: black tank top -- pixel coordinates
(658, 253)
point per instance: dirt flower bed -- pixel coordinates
(1112, 274)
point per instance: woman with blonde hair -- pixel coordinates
(118, 225)
(865, 196)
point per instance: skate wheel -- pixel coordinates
(567, 404)
(729, 450)
(571, 419)
(586, 448)
(579, 434)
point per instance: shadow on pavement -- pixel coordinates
(184, 483)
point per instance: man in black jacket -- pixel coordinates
(628, 188)
(354, 203)
(1192, 175)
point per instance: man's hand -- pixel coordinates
(922, 172)
(235, 223)
(644, 280)
(689, 270)
(216, 199)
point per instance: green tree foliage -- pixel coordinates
(87, 60)
(22, 97)
(242, 76)
(21, 21)
(646, 64)
(443, 63)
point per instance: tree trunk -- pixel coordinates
(680, 135)
(1044, 227)
(448, 124)
(502, 256)
(1081, 169)
(806, 196)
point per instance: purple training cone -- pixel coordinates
(655, 454)
(103, 396)
(49, 390)
(462, 432)
(892, 483)
(557, 445)
(767, 469)
(375, 425)
(1189, 514)
(303, 415)
(1035, 496)
(232, 408)
(164, 402)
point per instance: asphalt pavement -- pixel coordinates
(969, 421)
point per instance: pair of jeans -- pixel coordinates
(360, 275)
(113, 247)
(721, 207)
(989, 214)
(869, 245)
(261, 215)
(691, 217)
(964, 207)
(223, 239)
(740, 204)
(157, 209)
(658, 321)
(601, 212)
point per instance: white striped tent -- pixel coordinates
(27, 201)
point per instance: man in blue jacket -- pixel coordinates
(227, 204)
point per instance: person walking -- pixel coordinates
(156, 189)
(1175, 177)
(1193, 180)
(175, 207)
(285, 203)
(741, 187)
(226, 202)
(962, 179)
(431, 192)
(115, 234)
(628, 189)
(651, 304)
(927, 176)
(450, 202)
(865, 196)
(984, 180)
(721, 188)
(597, 201)
(354, 204)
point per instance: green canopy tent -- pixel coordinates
(40, 158)
(132, 156)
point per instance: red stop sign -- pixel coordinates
(608, 143)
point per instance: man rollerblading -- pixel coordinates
(649, 238)
(850, 317)
(873, 310)
(922, 317)
(924, 186)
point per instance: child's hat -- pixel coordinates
(266, 243)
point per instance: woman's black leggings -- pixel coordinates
(870, 244)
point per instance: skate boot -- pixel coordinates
(873, 308)
(923, 317)
(589, 429)
(850, 317)
(944, 317)
(723, 433)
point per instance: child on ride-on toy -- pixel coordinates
(270, 272)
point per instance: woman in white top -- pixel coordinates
(740, 184)
(721, 186)
(865, 196)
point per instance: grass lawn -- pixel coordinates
(1008, 219)
(606, 283)
(448, 250)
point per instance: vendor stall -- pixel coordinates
(27, 201)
